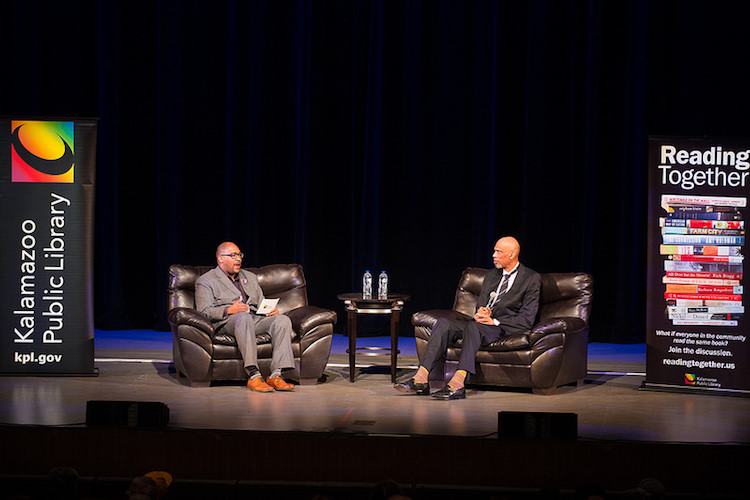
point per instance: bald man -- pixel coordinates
(507, 303)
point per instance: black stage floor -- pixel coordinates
(339, 432)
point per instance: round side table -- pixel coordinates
(355, 304)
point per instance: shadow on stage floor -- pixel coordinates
(340, 438)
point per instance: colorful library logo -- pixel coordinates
(42, 151)
(690, 379)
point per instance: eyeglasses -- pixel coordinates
(233, 255)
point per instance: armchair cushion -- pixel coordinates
(512, 342)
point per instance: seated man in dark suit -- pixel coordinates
(230, 297)
(507, 303)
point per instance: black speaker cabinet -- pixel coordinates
(536, 425)
(126, 414)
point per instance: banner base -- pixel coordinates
(650, 386)
(95, 373)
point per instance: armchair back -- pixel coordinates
(181, 289)
(561, 294)
(468, 290)
(565, 295)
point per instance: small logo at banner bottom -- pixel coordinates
(42, 151)
(690, 379)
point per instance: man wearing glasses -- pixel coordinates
(230, 296)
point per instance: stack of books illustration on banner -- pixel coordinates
(702, 239)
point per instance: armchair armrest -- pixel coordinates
(200, 331)
(430, 317)
(306, 318)
(187, 316)
(424, 321)
(556, 325)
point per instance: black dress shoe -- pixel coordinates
(446, 393)
(410, 386)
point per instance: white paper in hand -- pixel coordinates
(266, 306)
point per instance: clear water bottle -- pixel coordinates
(383, 286)
(367, 285)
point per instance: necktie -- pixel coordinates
(501, 288)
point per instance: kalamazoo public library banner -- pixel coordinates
(47, 170)
(697, 326)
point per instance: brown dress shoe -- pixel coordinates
(280, 384)
(258, 385)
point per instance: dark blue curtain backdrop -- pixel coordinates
(402, 135)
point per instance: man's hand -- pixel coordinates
(483, 316)
(273, 312)
(238, 307)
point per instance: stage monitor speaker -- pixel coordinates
(126, 414)
(536, 425)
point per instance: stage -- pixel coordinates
(340, 433)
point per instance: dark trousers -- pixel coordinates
(447, 331)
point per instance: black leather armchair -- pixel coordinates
(202, 355)
(552, 354)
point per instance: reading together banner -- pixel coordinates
(47, 170)
(697, 326)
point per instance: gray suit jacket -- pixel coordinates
(214, 292)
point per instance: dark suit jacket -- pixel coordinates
(516, 309)
(214, 292)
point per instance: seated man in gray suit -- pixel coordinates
(230, 297)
